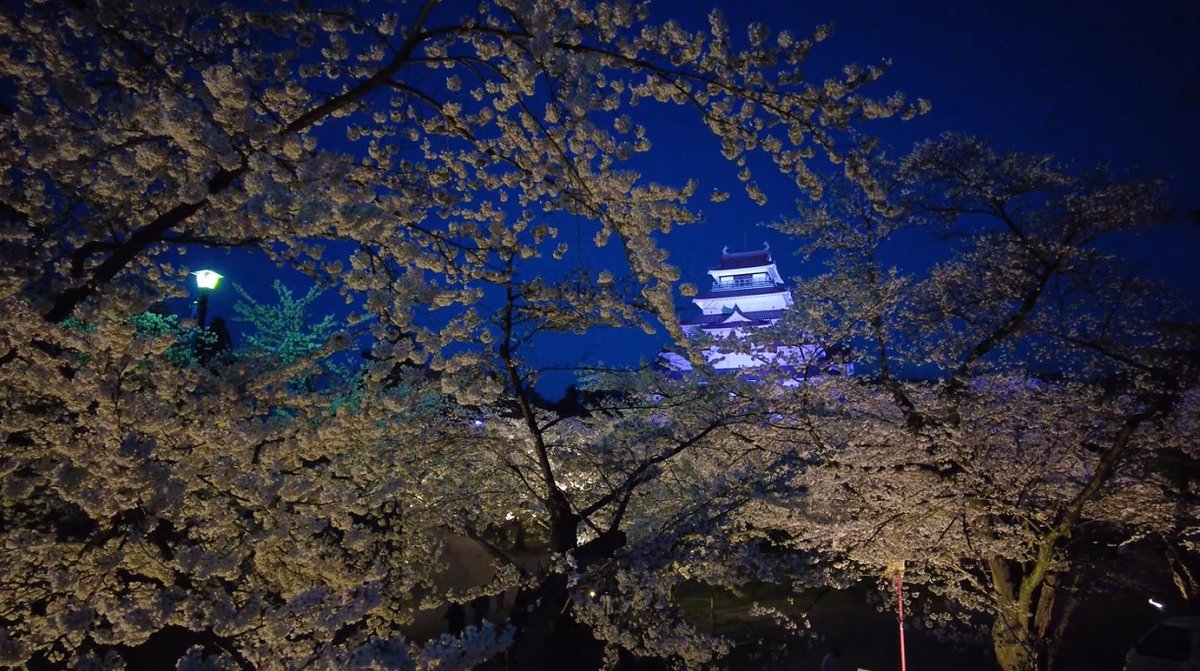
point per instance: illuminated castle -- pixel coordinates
(748, 293)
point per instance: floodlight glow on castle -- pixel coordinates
(748, 293)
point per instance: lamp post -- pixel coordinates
(206, 280)
(898, 569)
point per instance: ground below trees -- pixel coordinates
(1102, 630)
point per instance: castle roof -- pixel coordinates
(734, 260)
(738, 318)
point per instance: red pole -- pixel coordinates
(900, 613)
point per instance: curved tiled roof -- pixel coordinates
(754, 318)
(760, 257)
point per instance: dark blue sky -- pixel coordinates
(1090, 82)
(1087, 81)
(1115, 82)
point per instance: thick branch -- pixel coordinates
(562, 519)
(1069, 515)
(637, 476)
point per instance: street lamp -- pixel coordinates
(897, 567)
(207, 280)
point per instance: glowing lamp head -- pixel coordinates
(207, 279)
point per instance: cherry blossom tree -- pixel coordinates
(373, 126)
(156, 509)
(1022, 394)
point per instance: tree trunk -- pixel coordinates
(1014, 643)
(1184, 575)
(548, 637)
(1068, 610)
(542, 614)
(535, 613)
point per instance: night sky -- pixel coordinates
(1087, 81)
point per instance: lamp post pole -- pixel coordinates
(900, 616)
(896, 569)
(206, 280)
(202, 311)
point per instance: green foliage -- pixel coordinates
(182, 352)
(151, 324)
(76, 324)
(282, 330)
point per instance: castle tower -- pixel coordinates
(748, 293)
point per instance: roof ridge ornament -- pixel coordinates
(725, 250)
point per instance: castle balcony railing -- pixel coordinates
(731, 285)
